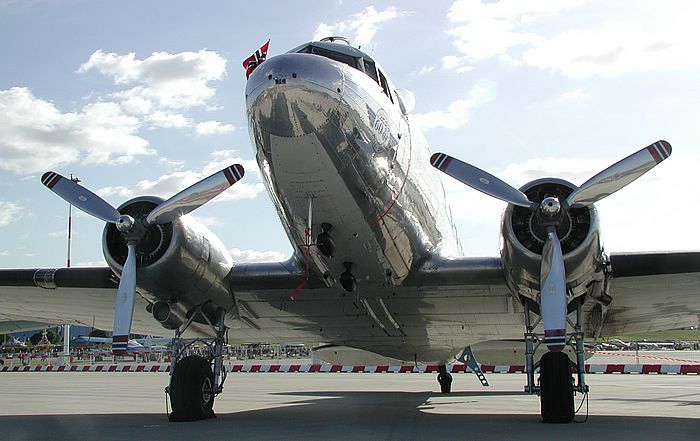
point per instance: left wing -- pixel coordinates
(84, 296)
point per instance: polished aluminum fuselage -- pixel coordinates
(326, 135)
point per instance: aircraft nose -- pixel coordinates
(292, 95)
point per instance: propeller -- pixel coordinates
(553, 302)
(134, 230)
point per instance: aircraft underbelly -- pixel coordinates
(310, 173)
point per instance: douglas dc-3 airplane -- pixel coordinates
(376, 266)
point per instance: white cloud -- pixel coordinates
(453, 62)
(164, 186)
(9, 212)
(575, 170)
(213, 128)
(636, 218)
(256, 256)
(166, 80)
(618, 48)
(575, 95)
(458, 112)
(168, 120)
(96, 263)
(35, 135)
(424, 70)
(644, 37)
(170, 184)
(363, 24)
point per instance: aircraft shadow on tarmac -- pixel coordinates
(341, 415)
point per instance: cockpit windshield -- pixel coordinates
(333, 55)
(349, 55)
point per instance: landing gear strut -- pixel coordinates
(556, 387)
(196, 378)
(445, 379)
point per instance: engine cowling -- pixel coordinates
(523, 236)
(180, 264)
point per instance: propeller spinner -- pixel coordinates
(134, 230)
(553, 303)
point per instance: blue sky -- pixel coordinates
(141, 97)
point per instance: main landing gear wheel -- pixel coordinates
(191, 390)
(556, 388)
(445, 379)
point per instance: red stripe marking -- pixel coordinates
(229, 176)
(140, 368)
(86, 368)
(690, 369)
(155, 368)
(99, 368)
(112, 368)
(336, 368)
(236, 368)
(274, 368)
(315, 368)
(358, 368)
(488, 368)
(431, 369)
(404, 369)
(255, 368)
(382, 368)
(654, 154)
(516, 369)
(615, 368)
(294, 368)
(241, 171)
(651, 368)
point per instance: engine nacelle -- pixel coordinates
(523, 237)
(180, 264)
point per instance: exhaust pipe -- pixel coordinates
(166, 315)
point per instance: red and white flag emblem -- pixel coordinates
(250, 63)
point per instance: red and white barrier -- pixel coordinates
(333, 368)
(645, 357)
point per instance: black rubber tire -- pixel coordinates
(556, 388)
(445, 380)
(191, 390)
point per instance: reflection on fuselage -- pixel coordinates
(332, 132)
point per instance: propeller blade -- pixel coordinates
(479, 179)
(79, 196)
(553, 293)
(619, 174)
(124, 303)
(195, 195)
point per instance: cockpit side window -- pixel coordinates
(385, 85)
(371, 69)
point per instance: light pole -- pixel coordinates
(70, 219)
(66, 328)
